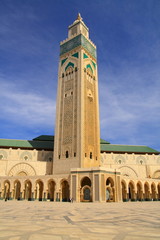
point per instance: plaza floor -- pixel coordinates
(23, 220)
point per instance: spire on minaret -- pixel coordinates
(79, 17)
(77, 27)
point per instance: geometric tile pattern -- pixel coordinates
(23, 220)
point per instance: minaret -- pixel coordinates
(77, 138)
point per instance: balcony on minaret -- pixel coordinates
(78, 27)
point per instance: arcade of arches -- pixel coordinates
(51, 190)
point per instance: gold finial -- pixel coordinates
(79, 17)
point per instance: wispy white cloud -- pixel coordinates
(24, 107)
(130, 106)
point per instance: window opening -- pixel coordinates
(67, 155)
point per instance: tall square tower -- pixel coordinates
(77, 138)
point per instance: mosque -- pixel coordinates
(75, 163)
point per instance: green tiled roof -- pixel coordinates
(46, 142)
(126, 148)
(44, 138)
(48, 145)
(102, 141)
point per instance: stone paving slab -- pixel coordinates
(23, 220)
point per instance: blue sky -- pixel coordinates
(127, 35)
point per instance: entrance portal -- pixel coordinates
(86, 190)
(86, 194)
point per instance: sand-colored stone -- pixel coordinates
(79, 221)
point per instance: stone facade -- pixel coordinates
(80, 166)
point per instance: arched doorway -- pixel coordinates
(124, 191)
(131, 191)
(39, 190)
(51, 190)
(28, 190)
(153, 189)
(139, 191)
(146, 192)
(6, 194)
(86, 190)
(110, 191)
(65, 191)
(17, 190)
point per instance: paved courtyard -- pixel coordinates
(79, 221)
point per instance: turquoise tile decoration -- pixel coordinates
(79, 40)
(75, 55)
(89, 66)
(63, 61)
(84, 55)
(94, 64)
(69, 64)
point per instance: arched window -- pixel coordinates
(67, 154)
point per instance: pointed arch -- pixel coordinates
(65, 190)
(17, 189)
(146, 191)
(124, 190)
(51, 190)
(86, 189)
(131, 191)
(70, 64)
(39, 190)
(139, 191)
(153, 191)
(6, 194)
(88, 66)
(28, 190)
(86, 181)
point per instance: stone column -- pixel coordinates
(74, 187)
(114, 194)
(96, 187)
(57, 197)
(103, 188)
(44, 196)
(21, 195)
(32, 196)
(54, 195)
(47, 192)
(60, 196)
(37, 188)
(141, 195)
(35, 193)
(12, 194)
(78, 194)
(81, 194)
